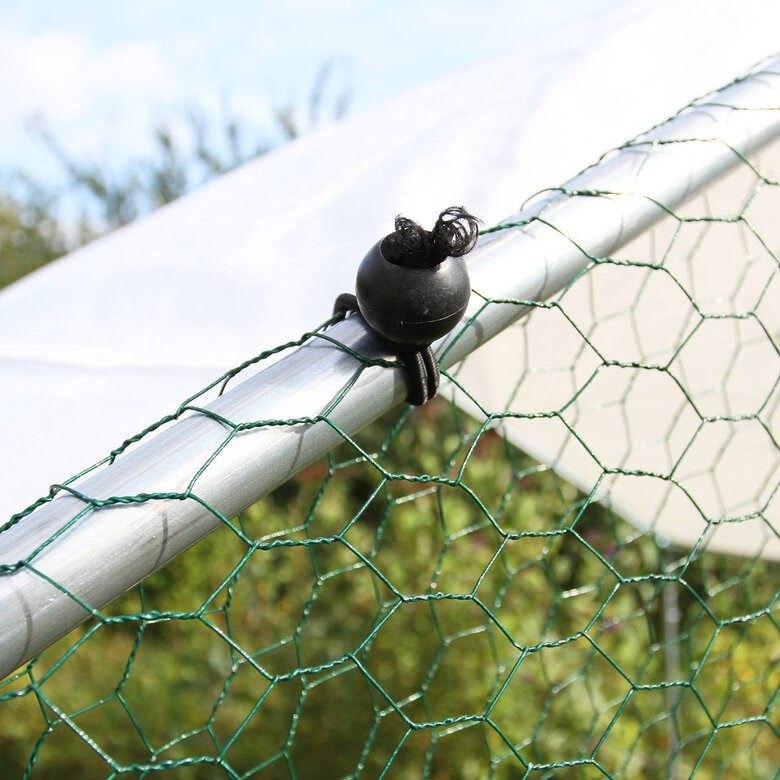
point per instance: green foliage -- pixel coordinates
(350, 623)
(186, 150)
(184, 153)
(30, 236)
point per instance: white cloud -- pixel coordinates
(59, 74)
(101, 101)
(80, 91)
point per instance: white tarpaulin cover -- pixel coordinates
(97, 345)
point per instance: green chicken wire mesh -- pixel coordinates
(432, 601)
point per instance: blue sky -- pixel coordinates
(101, 73)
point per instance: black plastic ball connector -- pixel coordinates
(413, 288)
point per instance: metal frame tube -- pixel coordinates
(110, 549)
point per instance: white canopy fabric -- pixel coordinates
(100, 343)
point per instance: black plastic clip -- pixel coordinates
(413, 288)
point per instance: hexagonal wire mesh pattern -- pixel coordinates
(456, 590)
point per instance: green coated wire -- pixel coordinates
(429, 601)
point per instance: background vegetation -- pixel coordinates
(349, 624)
(39, 221)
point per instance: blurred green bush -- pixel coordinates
(461, 629)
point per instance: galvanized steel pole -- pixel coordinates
(109, 550)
